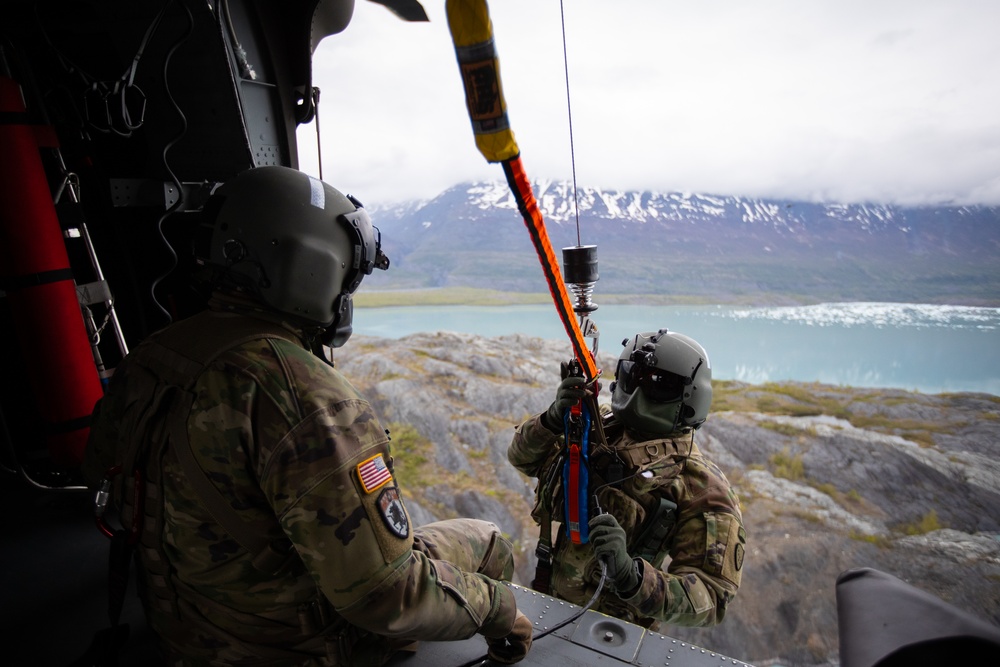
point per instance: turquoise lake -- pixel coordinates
(926, 348)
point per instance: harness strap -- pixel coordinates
(657, 527)
(543, 552)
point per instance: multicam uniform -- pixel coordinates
(297, 452)
(706, 543)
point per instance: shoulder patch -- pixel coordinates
(740, 549)
(390, 506)
(373, 473)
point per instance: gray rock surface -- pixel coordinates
(831, 479)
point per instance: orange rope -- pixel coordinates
(528, 205)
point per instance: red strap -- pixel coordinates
(574, 493)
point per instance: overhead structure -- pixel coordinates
(110, 148)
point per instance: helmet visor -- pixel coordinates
(658, 385)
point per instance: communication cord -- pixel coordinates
(561, 624)
(179, 203)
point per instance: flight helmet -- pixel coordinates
(663, 383)
(294, 243)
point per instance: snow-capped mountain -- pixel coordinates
(701, 246)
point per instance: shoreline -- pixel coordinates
(473, 296)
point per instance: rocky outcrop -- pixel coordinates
(830, 478)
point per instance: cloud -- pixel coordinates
(892, 101)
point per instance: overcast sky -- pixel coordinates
(888, 101)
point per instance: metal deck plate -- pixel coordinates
(592, 639)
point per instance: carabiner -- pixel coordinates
(101, 504)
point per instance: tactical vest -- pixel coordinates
(162, 373)
(661, 513)
(609, 465)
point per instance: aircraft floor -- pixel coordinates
(53, 578)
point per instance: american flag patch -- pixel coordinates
(374, 473)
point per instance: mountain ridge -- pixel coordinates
(707, 247)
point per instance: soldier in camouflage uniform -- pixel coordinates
(661, 496)
(271, 529)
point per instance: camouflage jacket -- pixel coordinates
(292, 446)
(705, 546)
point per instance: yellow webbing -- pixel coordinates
(472, 33)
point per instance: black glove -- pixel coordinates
(514, 646)
(569, 393)
(608, 539)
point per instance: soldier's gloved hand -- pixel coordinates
(569, 393)
(514, 646)
(608, 539)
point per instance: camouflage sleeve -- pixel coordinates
(532, 445)
(706, 550)
(331, 484)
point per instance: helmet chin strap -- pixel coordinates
(341, 328)
(643, 435)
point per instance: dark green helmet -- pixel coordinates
(295, 243)
(663, 383)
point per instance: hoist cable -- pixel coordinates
(530, 211)
(569, 115)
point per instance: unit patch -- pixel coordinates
(740, 550)
(390, 505)
(374, 473)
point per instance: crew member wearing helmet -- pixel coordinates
(660, 495)
(256, 484)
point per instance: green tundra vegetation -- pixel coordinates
(862, 408)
